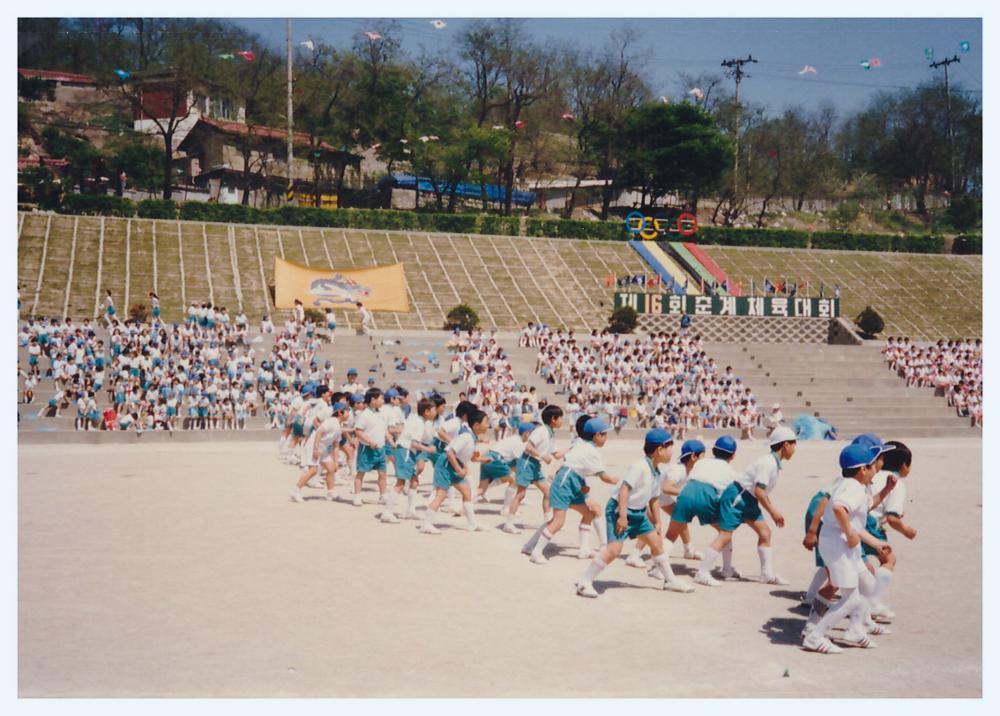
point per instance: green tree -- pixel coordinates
(463, 317)
(870, 322)
(624, 319)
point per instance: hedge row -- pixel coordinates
(388, 219)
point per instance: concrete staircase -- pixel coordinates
(849, 386)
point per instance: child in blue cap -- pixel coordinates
(569, 491)
(633, 513)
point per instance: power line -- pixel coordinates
(736, 72)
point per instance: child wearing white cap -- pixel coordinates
(632, 513)
(741, 503)
(569, 491)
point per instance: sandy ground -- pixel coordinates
(186, 571)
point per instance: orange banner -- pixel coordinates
(382, 288)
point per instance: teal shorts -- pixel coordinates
(810, 513)
(297, 428)
(496, 469)
(737, 506)
(568, 488)
(529, 470)
(444, 475)
(638, 523)
(370, 458)
(697, 499)
(873, 528)
(406, 466)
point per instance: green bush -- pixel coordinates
(852, 242)
(870, 322)
(729, 236)
(499, 225)
(463, 317)
(623, 319)
(967, 244)
(572, 229)
(965, 212)
(97, 205)
(918, 244)
(156, 209)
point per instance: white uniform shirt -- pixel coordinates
(763, 471)
(715, 472)
(895, 503)
(675, 474)
(542, 440)
(584, 459)
(642, 482)
(329, 433)
(413, 429)
(510, 448)
(451, 427)
(372, 425)
(462, 447)
(855, 497)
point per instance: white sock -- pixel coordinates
(593, 569)
(429, 516)
(470, 514)
(584, 538)
(764, 553)
(663, 563)
(543, 541)
(727, 557)
(533, 540)
(819, 607)
(883, 577)
(850, 601)
(818, 580)
(601, 525)
(708, 561)
(390, 500)
(508, 495)
(687, 548)
(411, 500)
(867, 585)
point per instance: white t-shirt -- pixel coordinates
(329, 433)
(372, 425)
(642, 482)
(895, 503)
(584, 458)
(856, 498)
(715, 472)
(510, 448)
(462, 447)
(413, 429)
(542, 440)
(676, 474)
(763, 471)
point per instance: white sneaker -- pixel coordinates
(862, 641)
(820, 644)
(773, 579)
(635, 560)
(586, 554)
(474, 528)
(655, 572)
(330, 496)
(679, 584)
(706, 579)
(381, 499)
(538, 559)
(356, 501)
(586, 590)
(297, 497)
(731, 573)
(411, 516)
(389, 518)
(883, 613)
(429, 529)
(316, 483)
(692, 554)
(510, 529)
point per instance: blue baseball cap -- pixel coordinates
(857, 455)
(659, 436)
(352, 371)
(726, 444)
(391, 393)
(306, 390)
(357, 398)
(692, 447)
(339, 405)
(526, 427)
(871, 440)
(595, 426)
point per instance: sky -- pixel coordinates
(782, 47)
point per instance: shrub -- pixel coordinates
(869, 322)
(844, 216)
(965, 212)
(623, 319)
(499, 225)
(156, 209)
(97, 205)
(138, 312)
(967, 244)
(919, 244)
(463, 317)
(316, 316)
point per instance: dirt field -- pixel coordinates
(185, 570)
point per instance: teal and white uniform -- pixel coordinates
(503, 456)
(406, 456)
(529, 469)
(893, 504)
(844, 563)
(676, 474)
(738, 503)
(570, 484)
(700, 496)
(328, 435)
(643, 480)
(371, 424)
(811, 512)
(462, 447)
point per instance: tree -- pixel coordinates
(624, 319)
(870, 322)
(675, 148)
(463, 317)
(138, 156)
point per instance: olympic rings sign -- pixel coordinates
(649, 228)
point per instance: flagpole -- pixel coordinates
(291, 153)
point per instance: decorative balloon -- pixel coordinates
(122, 74)
(247, 55)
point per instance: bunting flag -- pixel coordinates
(964, 46)
(519, 124)
(697, 93)
(653, 282)
(122, 74)
(308, 44)
(373, 36)
(768, 286)
(567, 116)
(928, 53)
(821, 290)
(610, 280)
(227, 56)
(247, 55)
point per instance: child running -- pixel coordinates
(632, 512)
(452, 470)
(539, 449)
(503, 457)
(370, 430)
(409, 446)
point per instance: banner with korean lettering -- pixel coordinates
(381, 288)
(769, 306)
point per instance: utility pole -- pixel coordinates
(291, 156)
(947, 98)
(737, 73)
